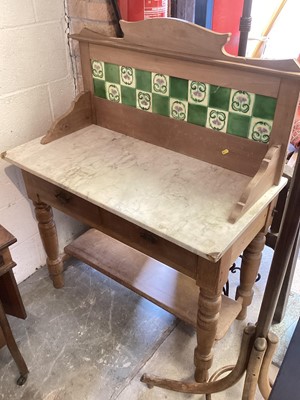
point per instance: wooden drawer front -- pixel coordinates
(39, 190)
(148, 243)
(169, 253)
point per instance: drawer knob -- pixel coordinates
(148, 236)
(63, 197)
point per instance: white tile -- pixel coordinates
(241, 102)
(113, 92)
(144, 100)
(98, 70)
(178, 109)
(16, 13)
(160, 84)
(127, 76)
(260, 129)
(216, 119)
(31, 56)
(198, 93)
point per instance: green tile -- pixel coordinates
(179, 88)
(264, 107)
(238, 124)
(99, 88)
(112, 73)
(160, 104)
(128, 96)
(197, 114)
(143, 80)
(219, 97)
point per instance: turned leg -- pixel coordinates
(208, 314)
(249, 270)
(48, 235)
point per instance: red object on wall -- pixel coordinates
(226, 18)
(137, 10)
(132, 10)
(156, 8)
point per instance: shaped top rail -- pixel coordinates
(177, 38)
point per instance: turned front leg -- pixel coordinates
(207, 319)
(249, 269)
(48, 235)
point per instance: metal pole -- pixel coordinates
(285, 242)
(117, 13)
(245, 27)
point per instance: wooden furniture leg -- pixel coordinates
(208, 314)
(249, 270)
(48, 235)
(12, 346)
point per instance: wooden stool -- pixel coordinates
(10, 302)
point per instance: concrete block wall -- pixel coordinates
(36, 86)
(96, 15)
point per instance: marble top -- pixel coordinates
(182, 199)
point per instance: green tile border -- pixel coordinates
(236, 112)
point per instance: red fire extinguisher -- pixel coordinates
(137, 10)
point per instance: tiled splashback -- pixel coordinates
(232, 111)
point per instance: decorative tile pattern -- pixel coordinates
(231, 111)
(160, 84)
(216, 119)
(260, 130)
(178, 109)
(198, 93)
(144, 100)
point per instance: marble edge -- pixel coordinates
(213, 256)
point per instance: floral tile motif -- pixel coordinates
(127, 76)
(113, 92)
(98, 70)
(260, 130)
(198, 93)
(241, 102)
(144, 100)
(160, 84)
(232, 111)
(178, 109)
(216, 119)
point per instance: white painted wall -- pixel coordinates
(36, 86)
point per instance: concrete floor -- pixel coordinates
(93, 339)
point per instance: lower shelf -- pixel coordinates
(162, 285)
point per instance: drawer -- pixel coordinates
(149, 243)
(41, 191)
(134, 236)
